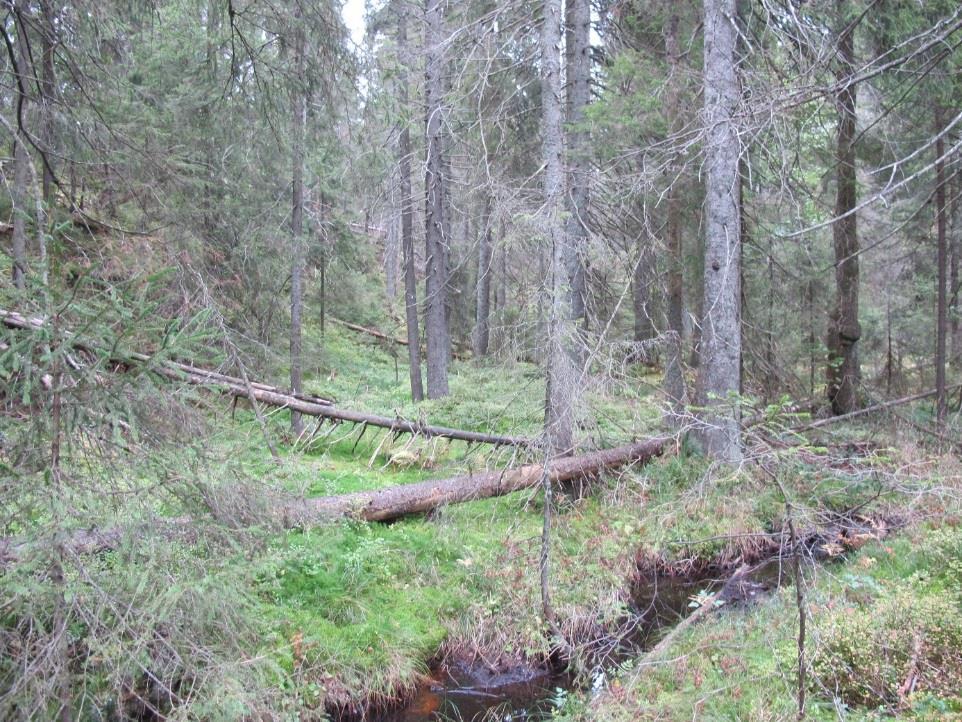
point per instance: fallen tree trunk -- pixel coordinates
(174, 370)
(871, 409)
(369, 331)
(398, 501)
(272, 396)
(378, 505)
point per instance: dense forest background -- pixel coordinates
(493, 234)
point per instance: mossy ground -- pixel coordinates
(863, 615)
(354, 612)
(357, 610)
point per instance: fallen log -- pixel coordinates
(378, 505)
(309, 405)
(173, 370)
(385, 337)
(369, 331)
(398, 501)
(872, 409)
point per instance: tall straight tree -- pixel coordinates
(482, 324)
(577, 141)
(21, 158)
(941, 313)
(562, 333)
(844, 330)
(676, 311)
(719, 372)
(47, 89)
(298, 123)
(407, 213)
(435, 240)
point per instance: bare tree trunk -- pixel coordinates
(844, 330)
(21, 165)
(676, 309)
(941, 323)
(435, 317)
(391, 246)
(407, 222)
(501, 289)
(47, 89)
(720, 335)
(297, 223)
(955, 247)
(562, 341)
(483, 308)
(21, 176)
(642, 282)
(577, 140)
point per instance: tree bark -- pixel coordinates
(562, 334)
(407, 219)
(21, 164)
(436, 315)
(577, 141)
(47, 91)
(955, 248)
(482, 325)
(676, 303)
(642, 283)
(844, 331)
(379, 505)
(941, 316)
(406, 499)
(297, 222)
(270, 395)
(720, 336)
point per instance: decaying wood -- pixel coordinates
(369, 331)
(871, 409)
(272, 396)
(378, 505)
(398, 501)
(656, 653)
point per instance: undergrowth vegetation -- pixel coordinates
(231, 616)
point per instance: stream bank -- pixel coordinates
(662, 593)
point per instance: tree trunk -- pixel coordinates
(676, 308)
(844, 331)
(720, 335)
(941, 323)
(297, 223)
(398, 501)
(379, 505)
(485, 269)
(21, 176)
(955, 248)
(270, 395)
(642, 283)
(407, 220)
(436, 316)
(21, 164)
(577, 141)
(47, 90)
(562, 334)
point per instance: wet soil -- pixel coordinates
(660, 598)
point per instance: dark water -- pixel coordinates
(472, 693)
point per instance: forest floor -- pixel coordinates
(356, 612)
(348, 618)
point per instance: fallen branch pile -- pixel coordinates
(273, 396)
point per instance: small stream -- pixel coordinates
(469, 692)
